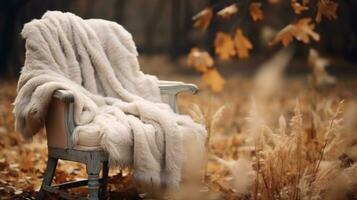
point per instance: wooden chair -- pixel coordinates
(59, 128)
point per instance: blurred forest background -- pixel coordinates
(165, 27)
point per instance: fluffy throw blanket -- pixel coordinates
(97, 61)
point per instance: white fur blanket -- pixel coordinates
(97, 61)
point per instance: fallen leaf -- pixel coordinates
(200, 60)
(224, 46)
(255, 11)
(327, 9)
(213, 79)
(226, 12)
(27, 162)
(15, 138)
(60, 176)
(242, 44)
(301, 30)
(298, 7)
(203, 18)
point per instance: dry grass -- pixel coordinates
(297, 144)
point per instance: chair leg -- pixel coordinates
(93, 168)
(105, 180)
(47, 177)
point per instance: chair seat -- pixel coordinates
(88, 141)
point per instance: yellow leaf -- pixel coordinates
(255, 11)
(242, 44)
(298, 7)
(302, 30)
(200, 60)
(327, 9)
(203, 18)
(226, 12)
(224, 46)
(213, 79)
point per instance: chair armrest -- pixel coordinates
(171, 89)
(175, 87)
(60, 120)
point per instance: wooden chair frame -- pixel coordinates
(59, 127)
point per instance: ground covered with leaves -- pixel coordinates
(270, 137)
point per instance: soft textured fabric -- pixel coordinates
(97, 61)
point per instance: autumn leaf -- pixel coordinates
(327, 9)
(224, 46)
(226, 12)
(255, 11)
(302, 31)
(213, 79)
(242, 44)
(200, 60)
(203, 18)
(298, 7)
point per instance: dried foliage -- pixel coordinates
(203, 18)
(203, 63)
(242, 44)
(304, 156)
(327, 9)
(298, 7)
(228, 11)
(199, 59)
(224, 46)
(301, 28)
(212, 78)
(268, 137)
(271, 146)
(255, 11)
